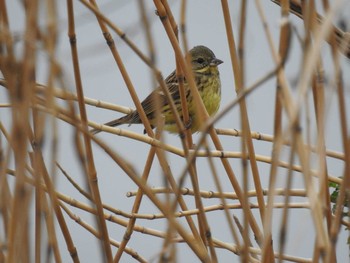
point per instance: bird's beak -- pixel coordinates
(215, 62)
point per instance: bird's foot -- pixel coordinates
(188, 124)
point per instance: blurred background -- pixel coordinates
(102, 80)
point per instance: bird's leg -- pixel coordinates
(188, 124)
(144, 130)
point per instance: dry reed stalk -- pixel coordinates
(218, 145)
(284, 44)
(96, 233)
(169, 25)
(293, 113)
(35, 107)
(224, 203)
(130, 227)
(91, 210)
(229, 132)
(311, 27)
(342, 39)
(237, 72)
(241, 58)
(197, 248)
(88, 165)
(144, 119)
(54, 200)
(179, 71)
(220, 207)
(196, 152)
(225, 195)
(202, 220)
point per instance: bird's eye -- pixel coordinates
(200, 60)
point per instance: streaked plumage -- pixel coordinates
(206, 74)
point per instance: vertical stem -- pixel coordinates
(89, 160)
(243, 107)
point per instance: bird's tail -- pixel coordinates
(127, 119)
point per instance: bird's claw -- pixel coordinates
(188, 124)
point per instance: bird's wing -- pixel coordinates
(149, 104)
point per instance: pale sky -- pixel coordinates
(102, 81)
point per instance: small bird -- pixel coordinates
(205, 71)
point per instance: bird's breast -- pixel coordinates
(211, 95)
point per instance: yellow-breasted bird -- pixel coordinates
(205, 71)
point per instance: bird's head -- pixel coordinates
(203, 59)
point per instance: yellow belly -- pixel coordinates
(211, 96)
